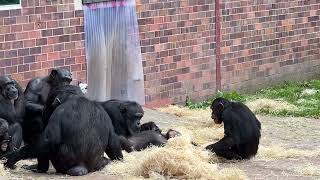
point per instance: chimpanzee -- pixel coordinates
(36, 94)
(5, 138)
(12, 109)
(144, 139)
(241, 129)
(125, 116)
(78, 133)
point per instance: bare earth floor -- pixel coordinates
(298, 133)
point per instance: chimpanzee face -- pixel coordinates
(172, 133)
(60, 75)
(4, 135)
(217, 107)
(8, 88)
(133, 113)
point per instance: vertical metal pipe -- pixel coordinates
(218, 44)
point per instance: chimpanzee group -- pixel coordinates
(53, 121)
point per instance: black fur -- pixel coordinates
(144, 139)
(241, 129)
(79, 131)
(12, 109)
(36, 94)
(150, 126)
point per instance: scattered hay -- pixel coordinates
(278, 152)
(199, 122)
(308, 170)
(270, 105)
(178, 159)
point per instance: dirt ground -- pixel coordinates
(297, 133)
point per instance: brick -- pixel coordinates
(9, 20)
(35, 66)
(40, 10)
(58, 63)
(54, 55)
(35, 50)
(17, 61)
(11, 53)
(10, 37)
(41, 42)
(29, 59)
(28, 27)
(11, 70)
(52, 24)
(23, 68)
(47, 64)
(23, 52)
(58, 31)
(70, 61)
(42, 57)
(5, 46)
(29, 43)
(65, 38)
(16, 28)
(76, 67)
(4, 13)
(51, 9)
(58, 47)
(5, 63)
(28, 11)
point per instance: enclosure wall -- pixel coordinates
(39, 36)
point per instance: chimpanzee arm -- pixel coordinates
(19, 104)
(40, 148)
(125, 144)
(223, 148)
(113, 149)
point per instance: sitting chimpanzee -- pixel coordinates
(144, 139)
(125, 116)
(12, 109)
(5, 138)
(241, 129)
(77, 135)
(36, 94)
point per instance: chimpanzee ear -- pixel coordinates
(54, 72)
(220, 107)
(123, 108)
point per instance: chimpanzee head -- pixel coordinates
(132, 112)
(172, 133)
(217, 107)
(64, 93)
(150, 126)
(4, 135)
(60, 76)
(8, 88)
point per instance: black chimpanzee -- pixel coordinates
(144, 139)
(12, 109)
(125, 116)
(77, 135)
(36, 94)
(5, 138)
(241, 129)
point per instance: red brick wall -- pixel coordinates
(177, 42)
(267, 42)
(39, 36)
